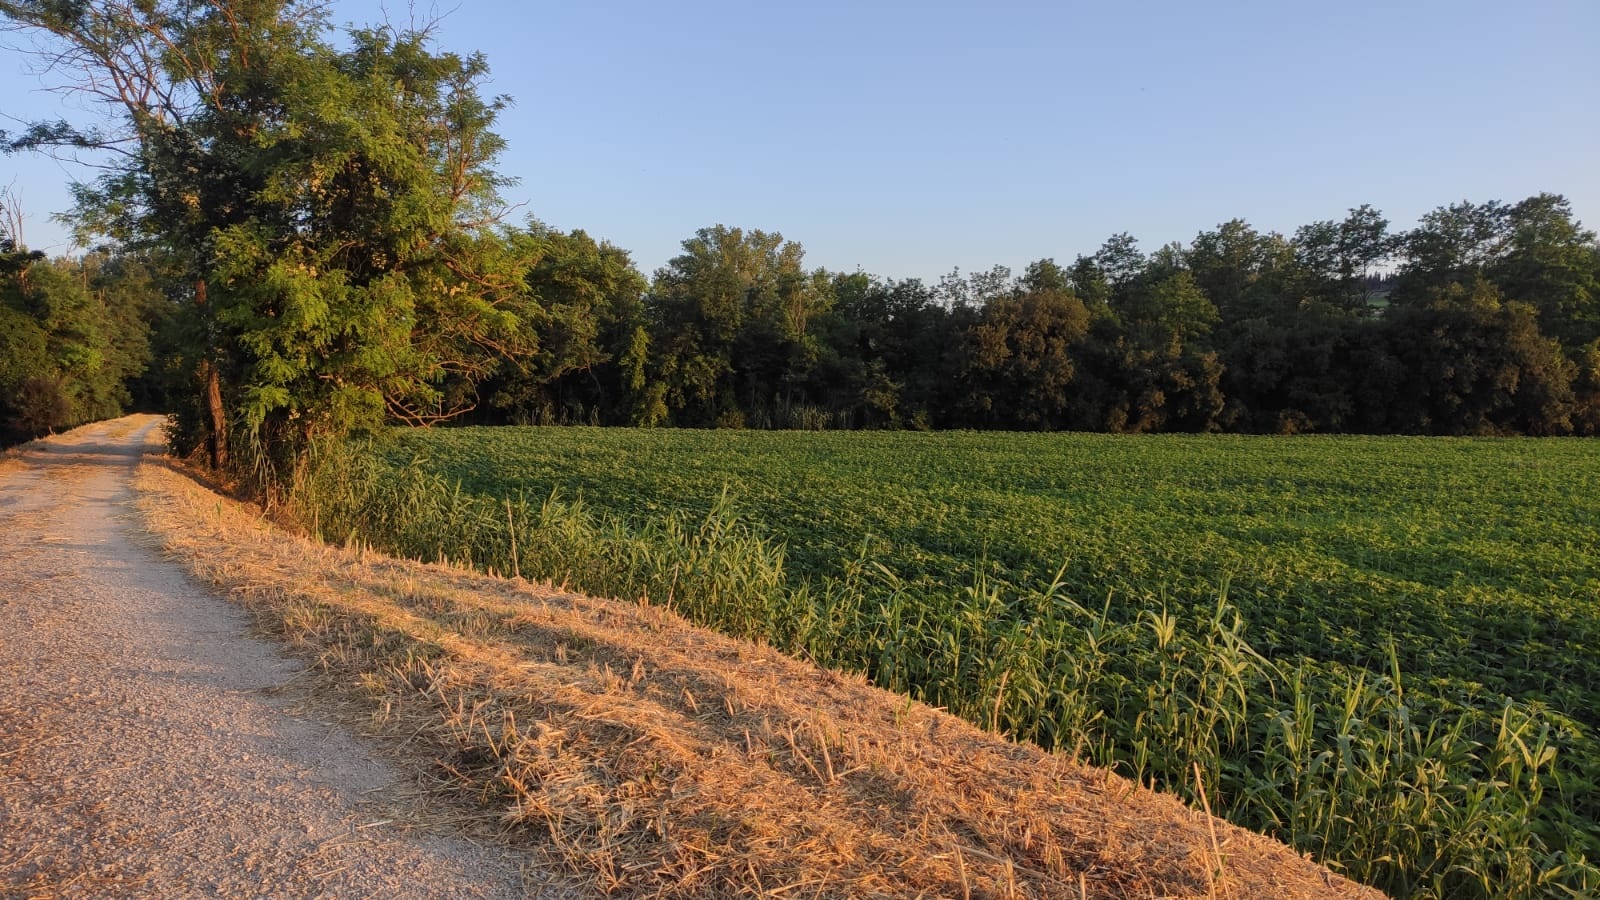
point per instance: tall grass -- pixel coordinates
(1443, 792)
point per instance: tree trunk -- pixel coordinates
(218, 415)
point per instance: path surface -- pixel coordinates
(147, 748)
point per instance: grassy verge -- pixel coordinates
(625, 746)
(1422, 786)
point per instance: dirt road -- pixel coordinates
(148, 743)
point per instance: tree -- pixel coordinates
(889, 353)
(66, 354)
(1124, 388)
(851, 376)
(1018, 359)
(1171, 311)
(731, 326)
(33, 394)
(588, 300)
(25, 367)
(1089, 281)
(1532, 252)
(1145, 364)
(1045, 275)
(1238, 268)
(1121, 260)
(1451, 246)
(1295, 374)
(1549, 260)
(1338, 257)
(1477, 365)
(1586, 390)
(332, 210)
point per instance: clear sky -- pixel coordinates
(910, 138)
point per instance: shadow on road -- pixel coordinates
(91, 453)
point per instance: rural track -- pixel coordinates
(151, 746)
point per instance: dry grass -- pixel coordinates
(623, 745)
(14, 459)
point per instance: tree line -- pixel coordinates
(1483, 319)
(1237, 331)
(303, 238)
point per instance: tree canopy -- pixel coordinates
(332, 211)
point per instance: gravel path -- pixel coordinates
(148, 743)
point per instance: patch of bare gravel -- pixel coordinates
(150, 746)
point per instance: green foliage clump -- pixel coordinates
(74, 338)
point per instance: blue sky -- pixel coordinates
(908, 139)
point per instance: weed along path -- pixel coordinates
(151, 747)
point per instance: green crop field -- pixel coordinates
(1385, 651)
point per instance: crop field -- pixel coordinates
(1384, 651)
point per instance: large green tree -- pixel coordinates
(588, 300)
(331, 209)
(1548, 260)
(1450, 248)
(1337, 259)
(1019, 358)
(732, 319)
(1239, 268)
